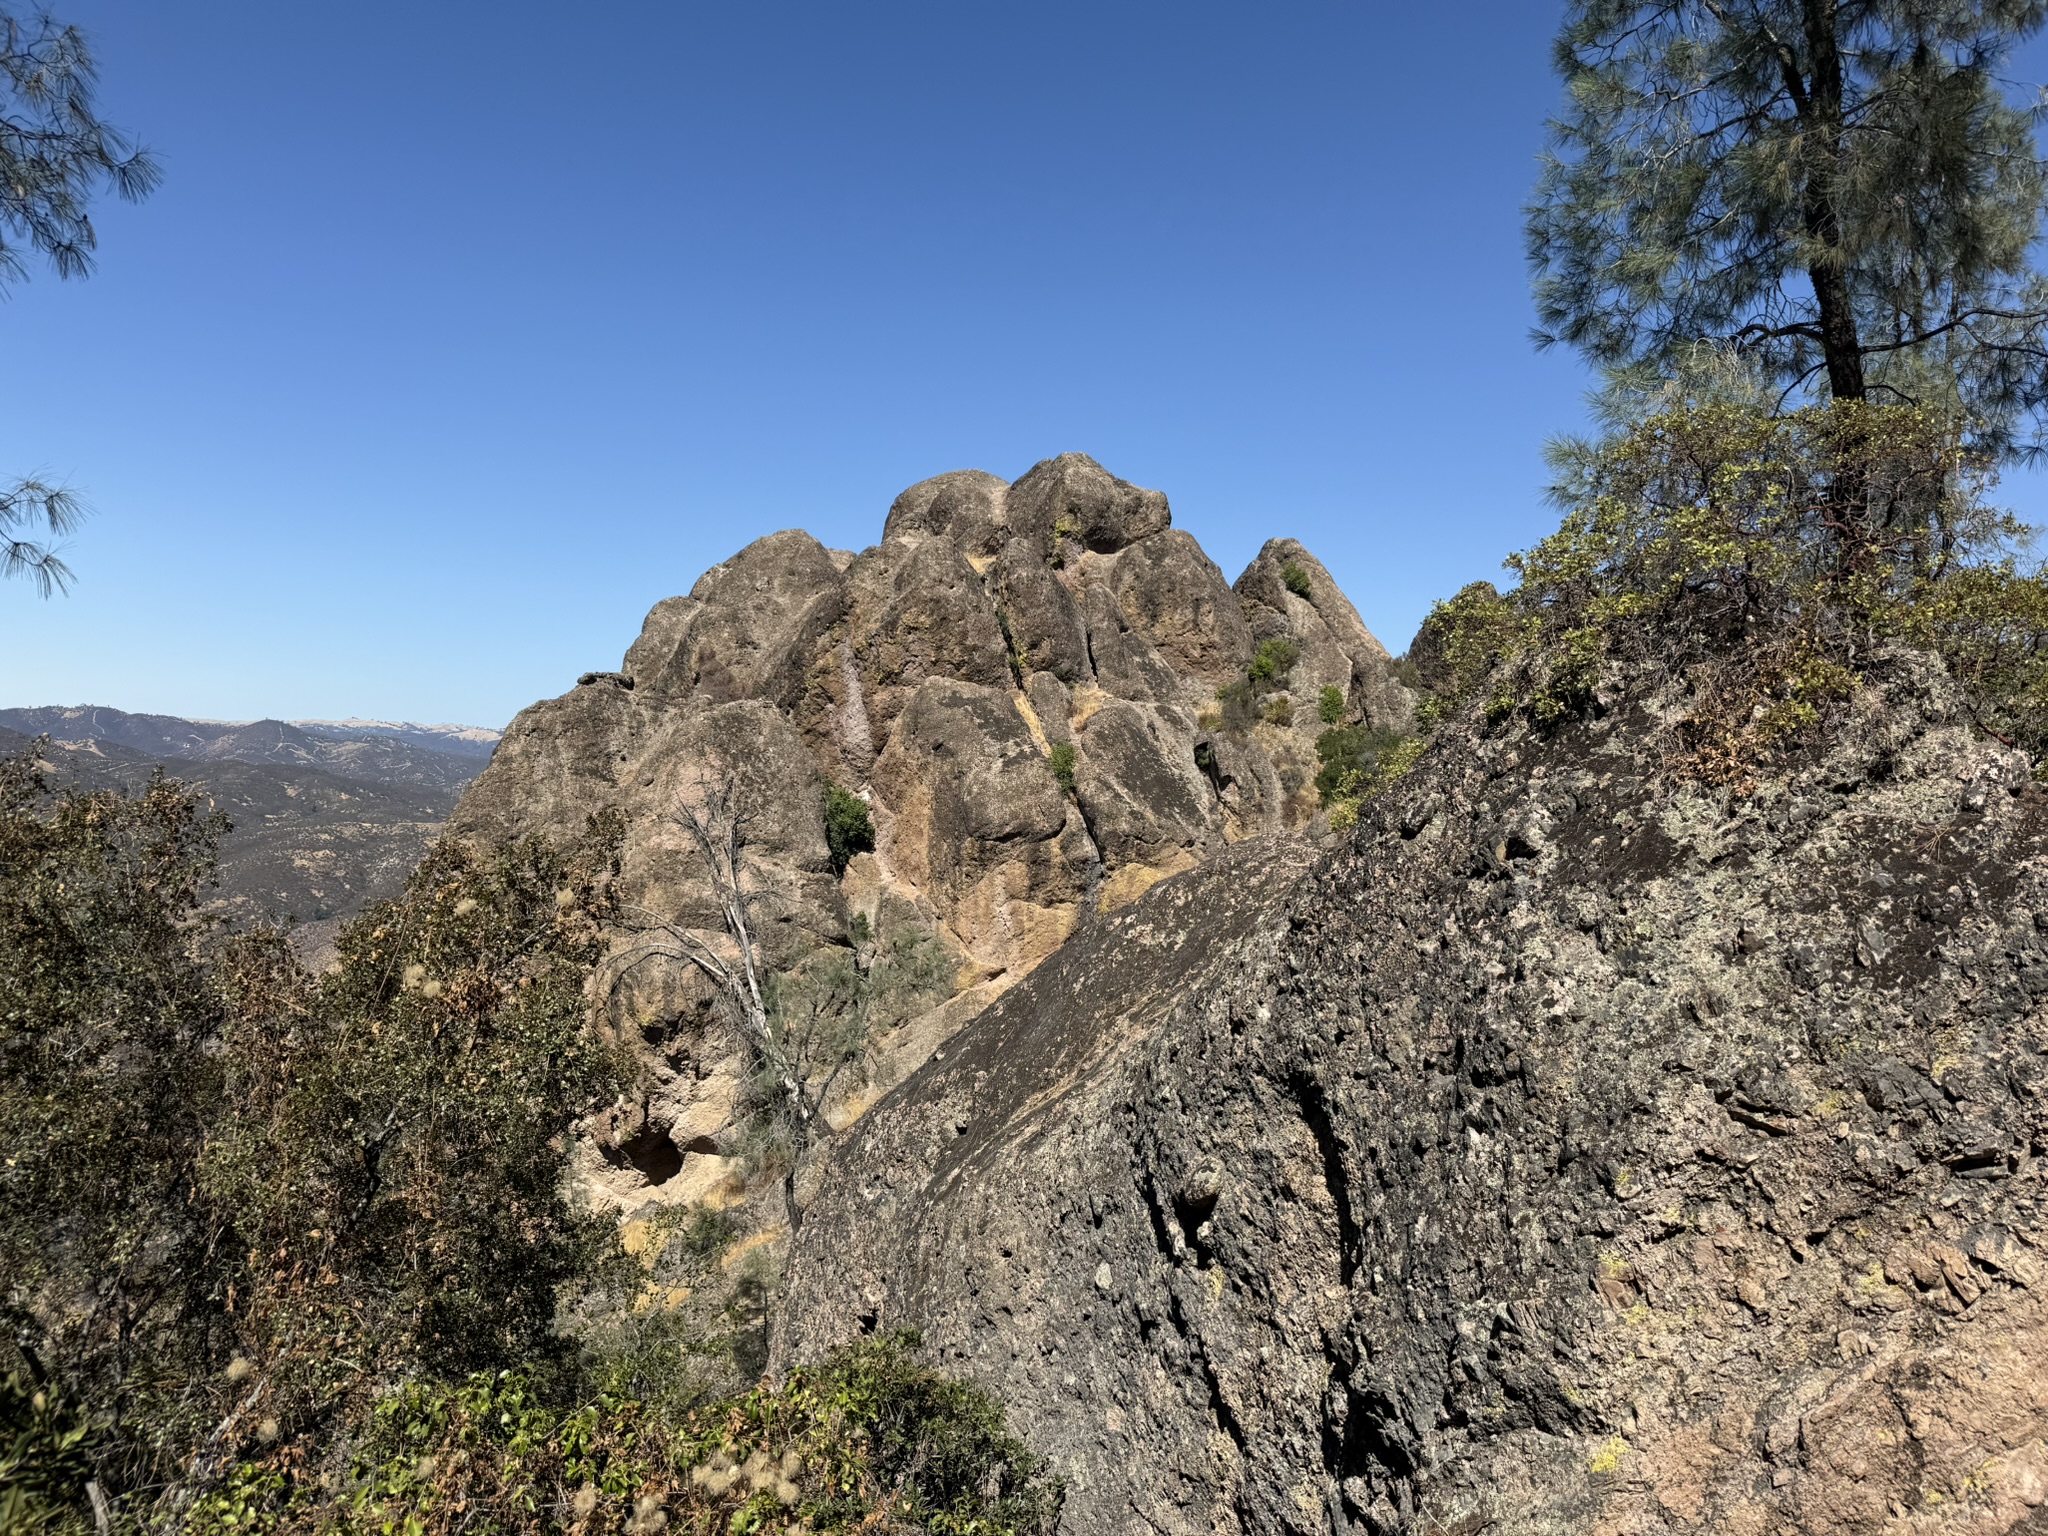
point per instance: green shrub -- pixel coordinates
(1330, 704)
(1349, 749)
(1295, 578)
(1990, 624)
(286, 1190)
(1279, 710)
(1061, 759)
(1765, 559)
(46, 1459)
(849, 828)
(110, 1078)
(1359, 785)
(1272, 661)
(869, 1440)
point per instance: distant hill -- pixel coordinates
(328, 815)
(440, 756)
(462, 740)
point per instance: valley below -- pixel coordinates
(327, 817)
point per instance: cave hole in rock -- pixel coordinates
(1517, 847)
(1191, 1209)
(650, 1154)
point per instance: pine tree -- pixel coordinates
(1837, 189)
(55, 151)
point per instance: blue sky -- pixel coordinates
(461, 333)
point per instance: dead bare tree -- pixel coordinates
(802, 1031)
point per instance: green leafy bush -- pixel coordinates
(1330, 704)
(849, 828)
(1349, 749)
(46, 1459)
(1765, 559)
(1357, 763)
(869, 1440)
(325, 1217)
(110, 1080)
(1272, 661)
(1061, 759)
(285, 1190)
(1295, 578)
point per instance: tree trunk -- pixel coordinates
(1821, 117)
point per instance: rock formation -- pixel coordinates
(934, 674)
(1577, 1148)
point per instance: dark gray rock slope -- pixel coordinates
(1577, 1149)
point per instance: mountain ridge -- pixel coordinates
(324, 820)
(378, 752)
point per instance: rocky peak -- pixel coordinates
(935, 674)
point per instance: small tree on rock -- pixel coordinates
(803, 1031)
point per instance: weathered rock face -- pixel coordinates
(933, 674)
(1576, 1149)
(747, 629)
(1072, 500)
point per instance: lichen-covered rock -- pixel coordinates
(966, 507)
(558, 762)
(1072, 502)
(1576, 1149)
(918, 611)
(749, 628)
(1145, 799)
(1246, 784)
(1167, 590)
(1122, 661)
(1045, 626)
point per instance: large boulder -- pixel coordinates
(1575, 1149)
(965, 507)
(918, 611)
(1124, 662)
(1145, 798)
(1072, 503)
(1167, 590)
(559, 761)
(748, 629)
(1044, 624)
